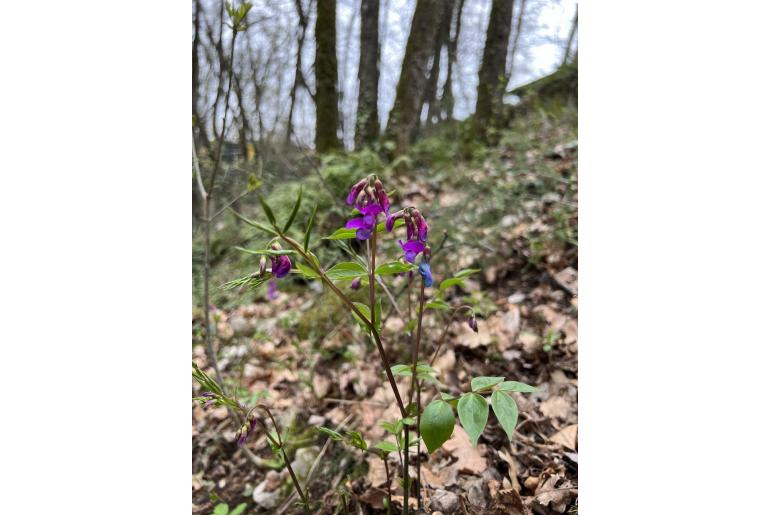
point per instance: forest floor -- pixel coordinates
(510, 211)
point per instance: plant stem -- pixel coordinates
(344, 298)
(387, 473)
(286, 460)
(405, 475)
(372, 284)
(417, 384)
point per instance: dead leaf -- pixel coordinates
(530, 342)
(468, 338)
(566, 437)
(376, 475)
(556, 407)
(568, 279)
(513, 468)
(321, 385)
(508, 502)
(558, 497)
(469, 459)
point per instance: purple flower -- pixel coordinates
(281, 265)
(424, 269)
(370, 199)
(411, 249)
(272, 289)
(355, 284)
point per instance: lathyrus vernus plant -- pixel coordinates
(371, 216)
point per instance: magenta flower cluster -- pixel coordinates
(370, 198)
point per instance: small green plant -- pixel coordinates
(224, 509)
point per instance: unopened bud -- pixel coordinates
(262, 266)
(355, 284)
(472, 323)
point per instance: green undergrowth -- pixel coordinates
(473, 192)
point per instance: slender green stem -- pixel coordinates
(387, 474)
(344, 298)
(416, 385)
(405, 474)
(286, 460)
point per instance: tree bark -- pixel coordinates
(198, 127)
(492, 71)
(367, 117)
(299, 78)
(327, 115)
(516, 38)
(572, 32)
(442, 39)
(414, 75)
(447, 97)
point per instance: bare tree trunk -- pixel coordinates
(299, 78)
(367, 118)
(516, 38)
(244, 131)
(492, 71)
(326, 77)
(572, 32)
(447, 97)
(199, 128)
(442, 39)
(414, 75)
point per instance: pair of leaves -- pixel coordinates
(224, 509)
(354, 438)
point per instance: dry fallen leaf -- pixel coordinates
(566, 437)
(556, 407)
(376, 475)
(555, 495)
(469, 459)
(508, 502)
(468, 338)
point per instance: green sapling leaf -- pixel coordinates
(506, 412)
(473, 411)
(436, 424)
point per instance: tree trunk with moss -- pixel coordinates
(492, 72)
(367, 118)
(326, 77)
(405, 114)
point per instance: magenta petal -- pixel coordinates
(371, 209)
(389, 221)
(356, 223)
(281, 266)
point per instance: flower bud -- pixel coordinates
(262, 266)
(472, 323)
(355, 284)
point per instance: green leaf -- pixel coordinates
(401, 370)
(364, 309)
(409, 421)
(515, 386)
(221, 509)
(452, 281)
(266, 252)
(307, 271)
(436, 424)
(386, 446)
(466, 272)
(394, 267)
(334, 435)
(484, 382)
(473, 411)
(267, 210)
(252, 223)
(506, 412)
(341, 234)
(356, 440)
(254, 183)
(238, 509)
(346, 271)
(294, 211)
(309, 228)
(438, 304)
(393, 428)
(426, 369)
